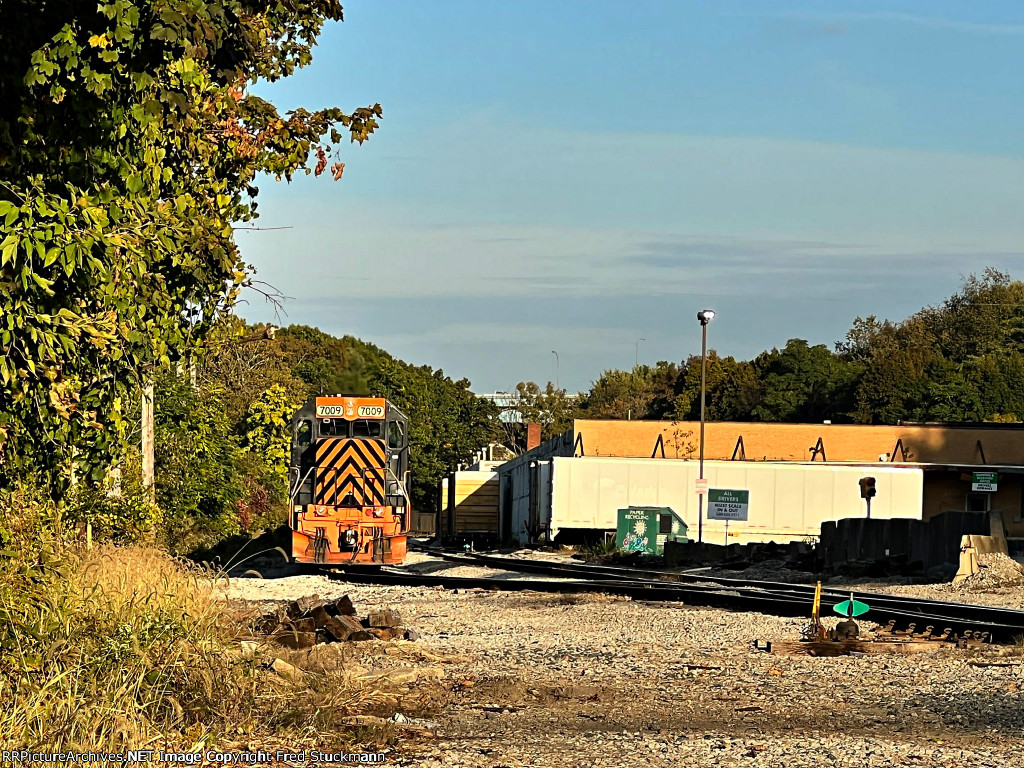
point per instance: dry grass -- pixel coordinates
(126, 648)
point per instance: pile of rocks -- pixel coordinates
(996, 572)
(309, 621)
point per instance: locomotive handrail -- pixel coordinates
(368, 476)
(299, 482)
(401, 485)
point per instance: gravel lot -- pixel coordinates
(550, 680)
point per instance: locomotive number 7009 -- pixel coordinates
(330, 410)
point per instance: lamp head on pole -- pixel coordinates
(706, 316)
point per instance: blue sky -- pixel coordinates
(575, 176)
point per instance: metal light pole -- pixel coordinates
(556, 368)
(636, 355)
(705, 316)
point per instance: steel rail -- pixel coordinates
(726, 599)
(780, 598)
(610, 572)
(748, 599)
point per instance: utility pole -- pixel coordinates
(148, 442)
(705, 316)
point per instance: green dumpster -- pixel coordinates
(646, 529)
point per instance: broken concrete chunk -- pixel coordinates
(385, 618)
(320, 616)
(341, 607)
(351, 622)
(300, 625)
(248, 648)
(303, 623)
(295, 640)
(309, 603)
(342, 627)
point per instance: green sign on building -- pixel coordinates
(985, 481)
(646, 529)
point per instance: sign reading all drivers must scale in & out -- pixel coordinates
(726, 504)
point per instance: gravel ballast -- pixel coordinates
(551, 680)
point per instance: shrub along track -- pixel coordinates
(1003, 625)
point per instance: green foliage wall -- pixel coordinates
(129, 146)
(447, 422)
(197, 462)
(962, 360)
(266, 427)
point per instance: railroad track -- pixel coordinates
(909, 606)
(924, 618)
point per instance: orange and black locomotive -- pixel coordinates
(349, 502)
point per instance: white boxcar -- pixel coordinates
(788, 501)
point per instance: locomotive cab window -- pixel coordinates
(396, 435)
(366, 428)
(304, 432)
(333, 428)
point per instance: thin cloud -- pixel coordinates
(839, 23)
(834, 28)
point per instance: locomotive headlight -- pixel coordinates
(351, 537)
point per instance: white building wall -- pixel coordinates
(788, 501)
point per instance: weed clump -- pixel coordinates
(114, 648)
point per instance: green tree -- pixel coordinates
(328, 365)
(199, 474)
(718, 374)
(447, 422)
(266, 432)
(662, 384)
(998, 378)
(239, 363)
(735, 396)
(620, 395)
(801, 383)
(957, 361)
(948, 396)
(550, 407)
(985, 316)
(129, 146)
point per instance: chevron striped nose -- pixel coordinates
(350, 473)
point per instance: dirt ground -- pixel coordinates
(535, 679)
